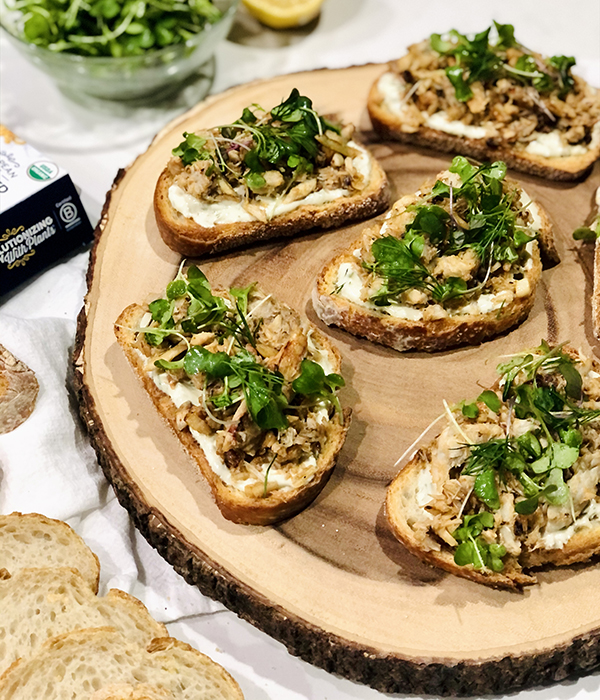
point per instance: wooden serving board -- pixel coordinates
(332, 583)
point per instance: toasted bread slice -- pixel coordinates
(508, 486)
(36, 604)
(101, 664)
(390, 285)
(31, 540)
(541, 120)
(264, 439)
(210, 198)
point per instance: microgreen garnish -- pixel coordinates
(488, 226)
(286, 139)
(473, 549)
(480, 59)
(539, 457)
(315, 383)
(112, 27)
(235, 374)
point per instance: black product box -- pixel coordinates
(41, 216)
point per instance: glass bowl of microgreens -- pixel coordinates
(118, 49)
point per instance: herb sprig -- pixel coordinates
(479, 59)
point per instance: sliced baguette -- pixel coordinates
(101, 664)
(31, 540)
(429, 498)
(426, 326)
(278, 491)
(341, 186)
(37, 604)
(397, 116)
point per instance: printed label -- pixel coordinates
(42, 170)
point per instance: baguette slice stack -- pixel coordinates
(415, 265)
(529, 112)
(507, 487)
(233, 185)
(101, 664)
(262, 466)
(59, 640)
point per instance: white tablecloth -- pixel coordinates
(47, 464)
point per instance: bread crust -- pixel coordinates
(402, 511)
(425, 335)
(391, 126)
(233, 503)
(596, 291)
(188, 238)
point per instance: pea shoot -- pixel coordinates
(112, 27)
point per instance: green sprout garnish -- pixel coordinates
(489, 229)
(239, 373)
(283, 140)
(479, 59)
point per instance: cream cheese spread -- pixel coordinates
(557, 539)
(551, 145)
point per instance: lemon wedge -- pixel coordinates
(283, 14)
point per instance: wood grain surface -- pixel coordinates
(332, 583)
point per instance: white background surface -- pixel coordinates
(47, 465)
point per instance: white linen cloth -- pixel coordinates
(47, 464)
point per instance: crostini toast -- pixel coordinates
(455, 263)
(249, 389)
(511, 482)
(265, 175)
(492, 99)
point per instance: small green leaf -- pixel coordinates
(470, 410)
(486, 490)
(564, 456)
(491, 400)
(527, 506)
(176, 289)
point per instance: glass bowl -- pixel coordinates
(156, 73)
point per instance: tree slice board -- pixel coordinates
(332, 583)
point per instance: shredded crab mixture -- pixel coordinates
(489, 284)
(447, 495)
(510, 111)
(253, 459)
(235, 165)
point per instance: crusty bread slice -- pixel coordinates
(36, 604)
(191, 239)
(429, 497)
(444, 329)
(407, 103)
(31, 540)
(100, 663)
(248, 504)
(391, 126)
